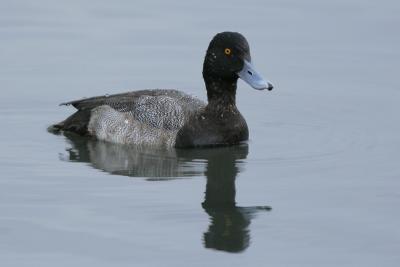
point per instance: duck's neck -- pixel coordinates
(221, 93)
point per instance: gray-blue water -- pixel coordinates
(324, 146)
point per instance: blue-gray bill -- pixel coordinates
(251, 76)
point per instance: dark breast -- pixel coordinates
(212, 129)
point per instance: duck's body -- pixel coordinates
(169, 117)
(150, 117)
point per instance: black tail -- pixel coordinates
(77, 123)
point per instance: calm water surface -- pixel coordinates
(317, 184)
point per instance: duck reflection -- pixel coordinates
(150, 163)
(228, 230)
(229, 223)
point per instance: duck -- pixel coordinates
(172, 118)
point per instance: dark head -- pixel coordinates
(227, 59)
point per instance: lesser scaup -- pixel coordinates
(172, 118)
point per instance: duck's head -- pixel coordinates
(228, 58)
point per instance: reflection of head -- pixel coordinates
(228, 227)
(228, 230)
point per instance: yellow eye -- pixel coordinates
(227, 51)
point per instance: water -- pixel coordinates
(316, 185)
